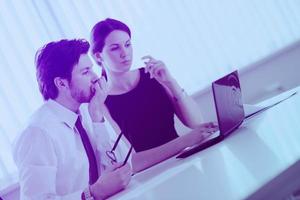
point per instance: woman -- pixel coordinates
(141, 103)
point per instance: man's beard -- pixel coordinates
(80, 95)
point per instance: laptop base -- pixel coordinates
(192, 150)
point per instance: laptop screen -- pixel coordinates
(228, 102)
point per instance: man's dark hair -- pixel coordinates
(57, 59)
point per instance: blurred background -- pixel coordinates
(199, 41)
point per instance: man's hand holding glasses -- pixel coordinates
(114, 179)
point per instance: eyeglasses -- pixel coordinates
(111, 154)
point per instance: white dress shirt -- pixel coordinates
(51, 158)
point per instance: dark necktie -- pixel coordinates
(93, 171)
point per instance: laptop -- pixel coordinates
(230, 112)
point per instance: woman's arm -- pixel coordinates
(145, 159)
(186, 108)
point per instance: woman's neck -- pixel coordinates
(121, 82)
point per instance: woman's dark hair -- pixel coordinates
(99, 33)
(57, 59)
(102, 29)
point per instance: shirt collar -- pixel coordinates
(64, 114)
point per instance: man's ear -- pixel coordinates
(98, 58)
(60, 82)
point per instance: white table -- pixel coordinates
(261, 160)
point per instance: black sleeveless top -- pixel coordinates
(145, 114)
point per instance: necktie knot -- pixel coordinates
(78, 123)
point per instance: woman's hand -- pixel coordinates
(201, 133)
(157, 70)
(208, 127)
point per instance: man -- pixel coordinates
(55, 154)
